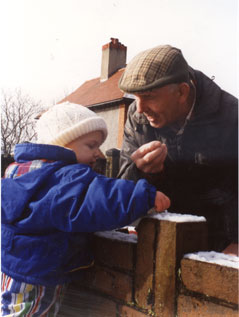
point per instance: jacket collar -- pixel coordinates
(32, 151)
(208, 96)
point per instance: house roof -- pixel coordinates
(94, 91)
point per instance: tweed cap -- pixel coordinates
(154, 68)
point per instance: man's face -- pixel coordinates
(160, 106)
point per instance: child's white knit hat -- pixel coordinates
(65, 122)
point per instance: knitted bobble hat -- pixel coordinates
(65, 122)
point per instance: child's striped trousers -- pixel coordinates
(27, 300)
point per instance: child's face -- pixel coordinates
(86, 147)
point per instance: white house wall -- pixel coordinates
(111, 116)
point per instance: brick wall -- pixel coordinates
(207, 289)
(147, 275)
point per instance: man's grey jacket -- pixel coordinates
(200, 171)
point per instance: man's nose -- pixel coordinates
(140, 105)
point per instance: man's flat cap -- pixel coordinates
(154, 68)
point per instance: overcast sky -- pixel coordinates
(51, 47)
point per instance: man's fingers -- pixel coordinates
(153, 159)
(157, 154)
(164, 152)
(144, 149)
(152, 162)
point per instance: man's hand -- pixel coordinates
(150, 157)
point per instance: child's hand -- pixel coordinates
(162, 202)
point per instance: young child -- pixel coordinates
(52, 200)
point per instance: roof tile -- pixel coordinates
(94, 91)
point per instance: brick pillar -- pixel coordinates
(145, 263)
(112, 166)
(161, 246)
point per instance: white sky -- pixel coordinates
(51, 47)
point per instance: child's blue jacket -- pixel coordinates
(49, 211)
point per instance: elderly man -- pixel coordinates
(181, 135)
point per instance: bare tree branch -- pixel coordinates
(18, 112)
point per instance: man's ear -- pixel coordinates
(184, 90)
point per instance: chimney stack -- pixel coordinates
(113, 58)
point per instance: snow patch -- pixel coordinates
(215, 257)
(169, 216)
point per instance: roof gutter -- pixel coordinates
(106, 104)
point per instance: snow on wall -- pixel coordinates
(116, 235)
(215, 257)
(169, 216)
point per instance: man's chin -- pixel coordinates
(156, 125)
